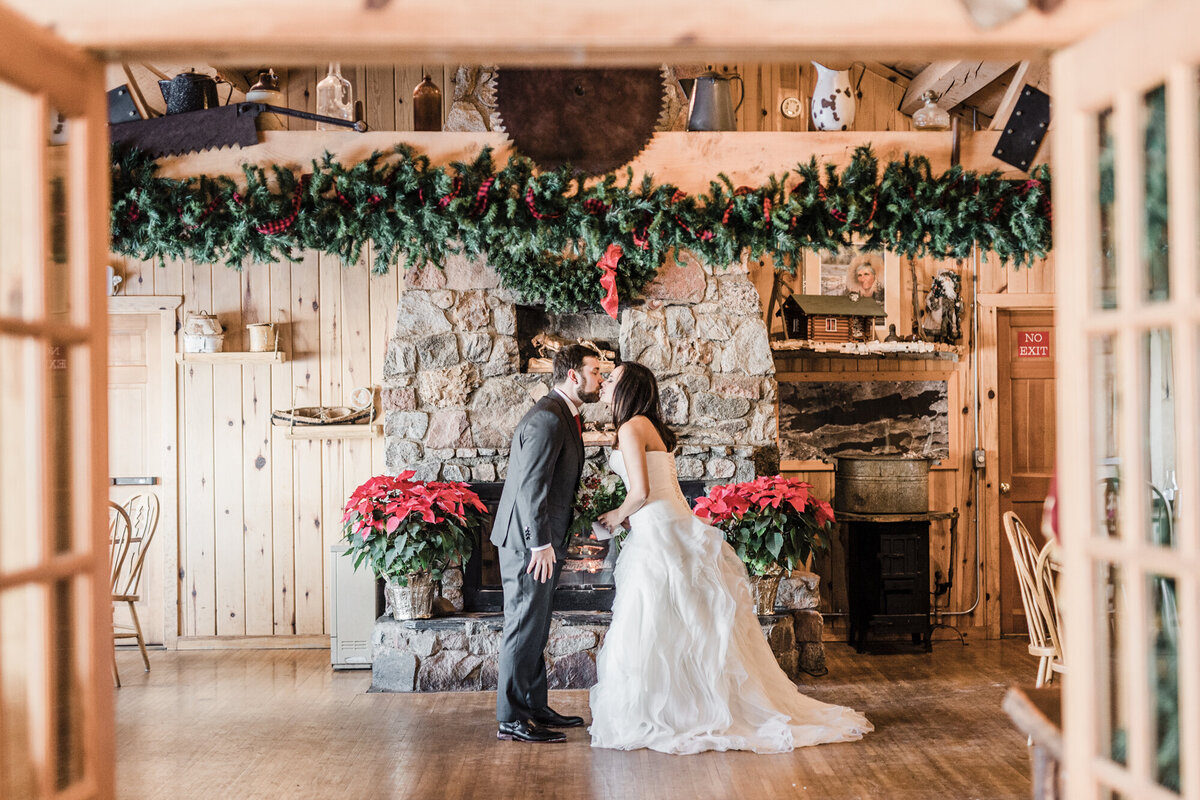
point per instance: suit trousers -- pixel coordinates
(521, 683)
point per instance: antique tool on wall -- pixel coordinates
(212, 128)
(594, 119)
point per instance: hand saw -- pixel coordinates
(193, 131)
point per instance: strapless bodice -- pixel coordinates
(664, 481)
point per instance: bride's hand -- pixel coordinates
(610, 520)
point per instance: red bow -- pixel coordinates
(609, 279)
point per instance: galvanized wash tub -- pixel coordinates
(893, 484)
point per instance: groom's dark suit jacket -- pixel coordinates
(544, 467)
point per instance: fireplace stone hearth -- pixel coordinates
(460, 653)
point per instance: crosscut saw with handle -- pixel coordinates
(208, 129)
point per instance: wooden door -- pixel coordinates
(1025, 360)
(135, 428)
(56, 696)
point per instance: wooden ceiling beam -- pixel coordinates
(307, 32)
(1033, 73)
(952, 81)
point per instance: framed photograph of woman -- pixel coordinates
(873, 274)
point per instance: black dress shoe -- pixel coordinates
(549, 717)
(528, 731)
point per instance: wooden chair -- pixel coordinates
(120, 531)
(142, 513)
(1025, 557)
(1046, 576)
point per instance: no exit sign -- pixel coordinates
(1033, 344)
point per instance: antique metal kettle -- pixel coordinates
(711, 107)
(189, 91)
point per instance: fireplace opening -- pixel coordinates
(586, 582)
(535, 325)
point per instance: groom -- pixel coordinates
(544, 467)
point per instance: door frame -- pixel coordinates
(991, 305)
(1005, 319)
(166, 306)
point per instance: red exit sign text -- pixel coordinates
(1033, 344)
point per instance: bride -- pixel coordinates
(685, 667)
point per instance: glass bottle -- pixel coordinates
(929, 117)
(335, 98)
(427, 106)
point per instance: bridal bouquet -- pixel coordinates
(772, 522)
(598, 493)
(404, 528)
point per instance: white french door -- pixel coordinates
(56, 695)
(1127, 240)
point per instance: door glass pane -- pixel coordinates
(70, 609)
(19, 126)
(1155, 252)
(57, 246)
(1105, 278)
(22, 665)
(1105, 461)
(21, 476)
(1110, 712)
(1164, 680)
(60, 363)
(1158, 429)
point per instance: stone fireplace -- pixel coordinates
(456, 383)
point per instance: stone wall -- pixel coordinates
(461, 653)
(454, 390)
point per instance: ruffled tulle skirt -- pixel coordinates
(685, 667)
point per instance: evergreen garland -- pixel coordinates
(544, 233)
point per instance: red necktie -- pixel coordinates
(579, 425)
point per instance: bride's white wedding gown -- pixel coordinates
(685, 667)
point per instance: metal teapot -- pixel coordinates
(189, 91)
(711, 107)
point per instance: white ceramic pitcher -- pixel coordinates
(833, 101)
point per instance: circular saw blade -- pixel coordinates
(593, 119)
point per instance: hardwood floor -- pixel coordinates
(282, 724)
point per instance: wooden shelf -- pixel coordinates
(274, 357)
(874, 349)
(352, 431)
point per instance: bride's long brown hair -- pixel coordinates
(636, 393)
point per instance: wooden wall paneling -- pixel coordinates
(865, 115)
(768, 97)
(280, 462)
(356, 371)
(306, 454)
(257, 462)
(384, 298)
(790, 86)
(168, 277)
(989, 494)
(379, 97)
(993, 278)
(228, 449)
(302, 95)
(197, 536)
(1018, 279)
(137, 275)
(407, 78)
(333, 393)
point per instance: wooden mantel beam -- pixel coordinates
(306, 32)
(952, 81)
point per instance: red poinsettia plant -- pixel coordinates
(402, 527)
(769, 521)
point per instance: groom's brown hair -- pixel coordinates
(570, 358)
